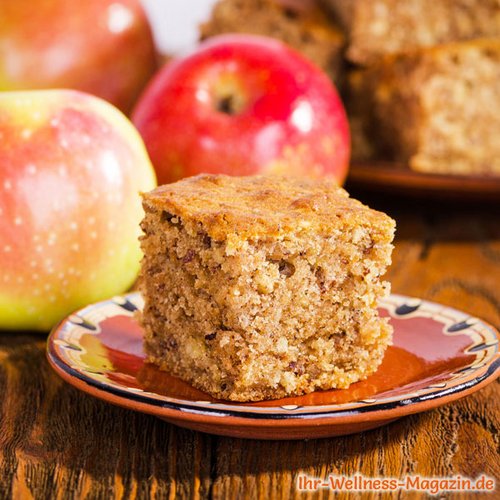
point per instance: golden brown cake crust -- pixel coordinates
(263, 206)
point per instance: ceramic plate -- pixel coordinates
(439, 355)
(398, 179)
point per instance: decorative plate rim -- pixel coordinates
(180, 409)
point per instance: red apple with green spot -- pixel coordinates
(71, 169)
(243, 105)
(104, 47)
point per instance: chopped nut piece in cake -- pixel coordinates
(261, 287)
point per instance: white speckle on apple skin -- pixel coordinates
(18, 221)
(73, 226)
(31, 169)
(7, 249)
(39, 249)
(93, 235)
(33, 263)
(75, 247)
(7, 185)
(91, 221)
(54, 122)
(26, 133)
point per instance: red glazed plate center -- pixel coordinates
(435, 350)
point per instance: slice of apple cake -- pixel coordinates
(261, 287)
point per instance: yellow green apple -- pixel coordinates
(71, 170)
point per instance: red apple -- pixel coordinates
(243, 105)
(71, 168)
(104, 47)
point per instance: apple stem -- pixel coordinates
(226, 105)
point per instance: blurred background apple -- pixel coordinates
(104, 47)
(71, 169)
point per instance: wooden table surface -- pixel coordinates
(58, 443)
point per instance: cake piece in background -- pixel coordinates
(437, 108)
(378, 27)
(263, 287)
(304, 25)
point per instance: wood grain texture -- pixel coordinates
(58, 443)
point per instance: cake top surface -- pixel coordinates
(265, 206)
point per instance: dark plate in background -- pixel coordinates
(394, 178)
